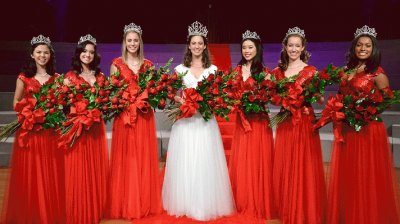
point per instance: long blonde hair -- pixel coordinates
(140, 52)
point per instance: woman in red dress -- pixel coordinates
(362, 187)
(298, 176)
(86, 162)
(36, 190)
(250, 166)
(134, 187)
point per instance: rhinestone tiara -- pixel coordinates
(89, 38)
(295, 30)
(40, 39)
(133, 27)
(250, 35)
(365, 30)
(197, 29)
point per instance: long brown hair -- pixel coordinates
(187, 58)
(284, 60)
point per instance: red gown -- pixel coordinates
(298, 176)
(36, 190)
(134, 186)
(251, 164)
(86, 167)
(362, 187)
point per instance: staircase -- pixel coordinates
(221, 57)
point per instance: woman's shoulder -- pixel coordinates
(181, 68)
(147, 63)
(117, 61)
(212, 69)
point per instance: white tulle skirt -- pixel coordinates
(196, 181)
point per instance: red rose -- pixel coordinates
(215, 91)
(106, 99)
(65, 89)
(229, 82)
(48, 105)
(323, 75)
(78, 87)
(107, 83)
(174, 77)
(371, 109)
(219, 100)
(114, 100)
(211, 103)
(210, 78)
(114, 106)
(251, 98)
(79, 96)
(93, 90)
(52, 110)
(102, 92)
(105, 107)
(164, 77)
(152, 91)
(218, 79)
(162, 104)
(150, 83)
(42, 98)
(230, 95)
(171, 96)
(97, 100)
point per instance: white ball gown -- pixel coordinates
(196, 181)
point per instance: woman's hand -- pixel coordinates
(179, 99)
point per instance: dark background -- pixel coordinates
(166, 22)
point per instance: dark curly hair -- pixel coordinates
(76, 61)
(187, 58)
(30, 68)
(257, 64)
(284, 60)
(372, 63)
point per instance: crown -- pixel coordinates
(40, 39)
(133, 27)
(296, 30)
(197, 29)
(89, 38)
(365, 30)
(248, 34)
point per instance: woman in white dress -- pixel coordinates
(196, 182)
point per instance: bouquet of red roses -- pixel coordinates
(357, 109)
(38, 111)
(304, 88)
(84, 105)
(211, 96)
(160, 85)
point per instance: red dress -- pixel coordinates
(86, 167)
(251, 164)
(298, 175)
(134, 186)
(36, 190)
(362, 187)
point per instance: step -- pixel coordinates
(6, 99)
(396, 144)
(7, 117)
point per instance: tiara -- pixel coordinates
(133, 27)
(365, 30)
(89, 38)
(40, 39)
(295, 30)
(251, 35)
(197, 29)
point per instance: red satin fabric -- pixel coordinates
(35, 192)
(363, 185)
(134, 185)
(86, 170)
(250, 168)
(86, 166)
(298, 176)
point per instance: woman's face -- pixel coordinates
(363, 48)
(197, 46)
(87, 55)
(132, 42)
(249, 50)
(294, 47)
(41, 54)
